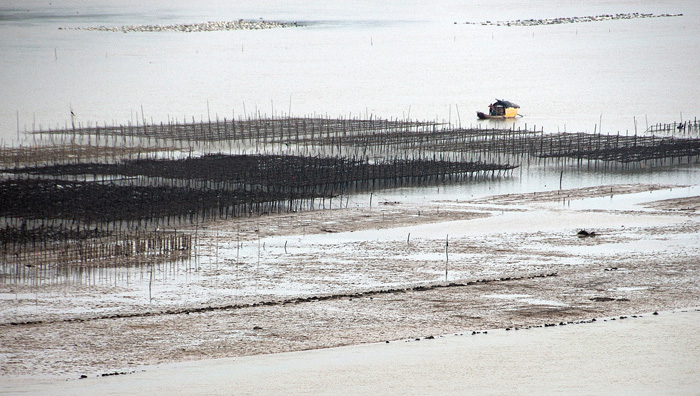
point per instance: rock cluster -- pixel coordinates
(240, 24)
(559, 21)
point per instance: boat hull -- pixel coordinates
(511, 112)
(484, 116)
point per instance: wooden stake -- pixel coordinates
(447, 257)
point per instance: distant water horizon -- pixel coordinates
(391, 60)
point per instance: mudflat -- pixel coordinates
(396, 271)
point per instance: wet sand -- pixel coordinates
(645, 355)
(366, 275)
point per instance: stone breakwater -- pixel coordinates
(560, 21)
(196, 27)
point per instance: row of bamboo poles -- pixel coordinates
(170, 192)
(29, 254)
(80, 196)
(319, 136)
(684, 128)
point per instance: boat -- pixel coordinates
(500, 110)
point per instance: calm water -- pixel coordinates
(393, 59)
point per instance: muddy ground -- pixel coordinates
(393, 271)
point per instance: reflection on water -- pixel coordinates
(527, 179)
(118, 273)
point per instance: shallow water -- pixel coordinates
(529, 179)
(605, 357)
(390, 59)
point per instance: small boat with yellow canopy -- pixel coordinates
(500, 110)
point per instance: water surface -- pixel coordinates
(391, 59)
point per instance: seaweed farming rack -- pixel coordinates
(77, 196)
(688, 128)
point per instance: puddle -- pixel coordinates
(633, 201)
(525, 298)
(629, 289)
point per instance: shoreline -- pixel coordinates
(596, 358)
